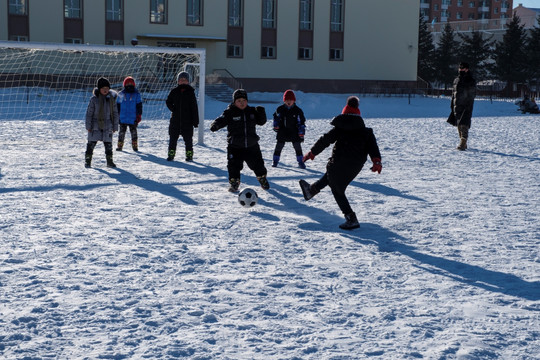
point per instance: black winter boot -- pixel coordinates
(110, 162)
(189, 155)
(119, 146)
(88, 160)
(264, 182)
(350, 223)
(235, 184)
(135, 145)
(171, 155)
(307, 190)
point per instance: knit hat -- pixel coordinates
(182, 75)
(239, 94)
(289, 95)
(352, 106)
(129, 81)
(103, 82)
(463, 65)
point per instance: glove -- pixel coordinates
(276, 126)
(261, 111)
(377, 165)
(301, 131)
(213, 128)
(138, 119)
(308, 156)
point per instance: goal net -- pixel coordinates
(55, 81)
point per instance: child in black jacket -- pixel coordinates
(290, 126)
(182, 103)
(242, 139)
(353, 143)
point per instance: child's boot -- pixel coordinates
(351, 222)
(275, 161)
(119, 146)
(189, 155)
(235, 184)
(307, 190)
(135, 145)
(88, 155)
(171, 155)
(300, 160)
(110, 162)
(88, 160)
(264, 182)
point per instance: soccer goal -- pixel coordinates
(40, 81)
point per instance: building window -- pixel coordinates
(305, 53)
(114, 10)
(72, 9)
(268, 52)
(18, 38)
(471, 16)
(158, 11)
(306, 14)
(336, 15)
(471, 4)
(194, 12)
(114, 42)
(235, 13)
(269, 14)
(18, 7)
(234, 51)
(336, 54)
(459, 3)
(73, 41)
(459, 15)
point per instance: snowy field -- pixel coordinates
(156, 260)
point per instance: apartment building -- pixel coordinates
(267, 45)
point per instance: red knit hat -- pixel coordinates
(129, 81)
(352, 106)
(289, 95)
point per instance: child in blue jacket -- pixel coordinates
(129, 104)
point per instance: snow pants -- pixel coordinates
(338, 177)
(252, 156)
(187, 136)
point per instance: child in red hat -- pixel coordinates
(290, 126)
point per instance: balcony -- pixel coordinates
(483, 9)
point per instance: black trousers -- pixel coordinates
(252, 156)
(338, 177)
(187, 136)
(123, 130)
(281, 144)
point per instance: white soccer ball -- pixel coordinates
(248, 198)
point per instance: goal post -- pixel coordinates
(47, 81)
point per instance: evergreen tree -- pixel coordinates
(426, 52)
(446, 61)
(533, 57)
(476, 50)
(509, 55)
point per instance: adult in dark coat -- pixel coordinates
(353, 142)
(242, 139)
(182, 103)
(463, 94)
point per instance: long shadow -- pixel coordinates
(472, 275)
(489, 152)
(388, 241)
(54, 187)
(125, 177)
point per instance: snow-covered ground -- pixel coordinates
(156, 260)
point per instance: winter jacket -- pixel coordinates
(129, 106)
(463, 94)
(290, 123)
(241, 131)
(352, 140)
(182, 103)
(102, 130)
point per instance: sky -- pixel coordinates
(527, 3)
(157, 260)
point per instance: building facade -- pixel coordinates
(267, 45)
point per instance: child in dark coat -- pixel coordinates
(242, 139)
(101, 120)
(290, 126)
(130, 106)
(353, 142)
(182, 103)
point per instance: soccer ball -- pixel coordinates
(248, 198)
